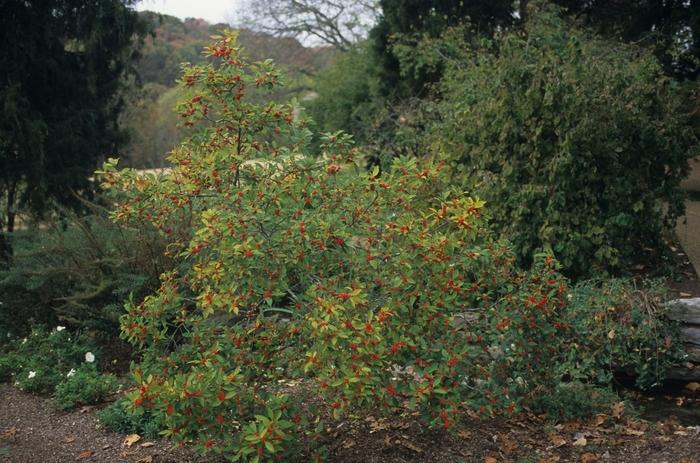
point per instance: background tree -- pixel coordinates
(411, 18)
(670, 27)
(62, 72)
(338, 23)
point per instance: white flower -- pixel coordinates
(70, 373)
(32, 374)
(89, 357)
(24, 341)
(569, 296)
(60, 328)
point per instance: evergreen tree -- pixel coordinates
(670, 27)
(63, 66)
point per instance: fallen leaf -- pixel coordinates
(692, 387)
(580, 442)
(552, 459)
(146, 459)
(464, 434)
(131, 439)
(557, 441)
(633, 432)
(409, 445)
(600, 420)
(490, 460)
(9, 433)
(347, 443)
(618, 409)
(145, 445)
(589, 458)
(85, 454)
(611, 334)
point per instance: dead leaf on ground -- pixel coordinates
(557, 441)
(599, 420)
(9, 433)
(68, 439)
(552, 459)
(408, 444)
(692, 387)
(85, 454)
(146, 459)
(580, 442)
(490, 460)
(464, 434)
(618, 409)
(508, 445)
(589, 457)
(145, 445)
(131, 439)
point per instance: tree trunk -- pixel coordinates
(522, 11)
(5, 235)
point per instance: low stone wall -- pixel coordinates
(687, 313)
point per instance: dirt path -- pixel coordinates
(688, 232)
(692, 183)
(32, 432)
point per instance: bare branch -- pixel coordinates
(338, 23)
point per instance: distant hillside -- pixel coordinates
(177, 41)
(150, 116)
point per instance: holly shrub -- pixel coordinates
(376, 289)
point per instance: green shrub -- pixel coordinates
(84, 386)
(619, 327)
(574, 401)
(120, 417)
(8, 366)
(577, 144)
(41, 361)
(316, 271)
(78, 272)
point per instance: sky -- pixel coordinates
(214, 11)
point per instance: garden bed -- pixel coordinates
(31, 431)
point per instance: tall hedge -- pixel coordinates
(577, 143)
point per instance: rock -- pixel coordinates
(686, 311)
(463, 319)
(693, 352)
(688, 372)
(691, 334)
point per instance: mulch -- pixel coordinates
(31, 431)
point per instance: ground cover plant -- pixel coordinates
(59, 363)
(315, 271)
